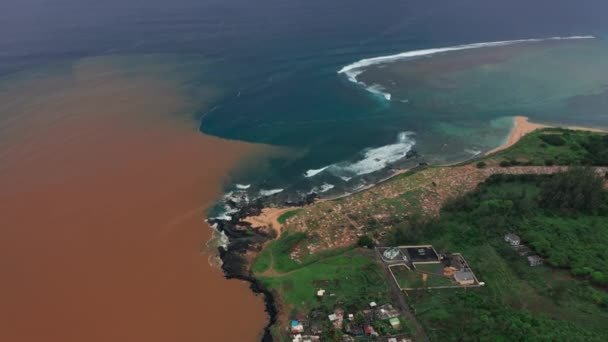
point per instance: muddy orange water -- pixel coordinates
(103, 190)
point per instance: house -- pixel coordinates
(370, 331)
(513, 239)
(464, 278)
(535, 260)
(320, 293)
(387, 311)
(296, 327)
(395, 323)
(372, 305)
(332, 317)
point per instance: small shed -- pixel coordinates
(395, 323)
(320, 293)
(372, 305)
(535, 260)
(332, 317)
(513, 239)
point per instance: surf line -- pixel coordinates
(357, 68)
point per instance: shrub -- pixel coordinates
(365, 241)
(504, 163)
(578, 189)
(288, 214)
(549, 162)
(481, 165)
(553, 139)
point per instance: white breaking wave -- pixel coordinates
(378, 90)
(314, 172)
(473, 152)
(243, 187)
(375, 159)
(320, 189)
(270, 192)
(357, 68)
(227, 214)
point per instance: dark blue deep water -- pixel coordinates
(276, 63)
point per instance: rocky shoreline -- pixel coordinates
(245, 239)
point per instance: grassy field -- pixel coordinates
(352, 278)
(406, 278)
(276, 254)
(414, 279)
(430, 268)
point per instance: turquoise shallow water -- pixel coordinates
(272, 68)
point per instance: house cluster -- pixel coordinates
(359, 324)
(523, 250)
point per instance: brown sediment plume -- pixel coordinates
(104, 188)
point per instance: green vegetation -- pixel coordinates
(365, 241)
(579, 189)
(288, 214)
(406, 278)
(481, 165)
(557, 146)
(564, 300)
(430, 268)
(414, 279)
(353, 277)
(277, 253)
(262, 261)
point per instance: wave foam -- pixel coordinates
(314, 172)
(270, 192)
(375, 159)
(472, 152)
(357, 68)
(378, 90)
(323, 188)
(243, 187)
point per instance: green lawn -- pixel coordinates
(353, 276)
(406, 278)
(438, 280)
(430, 268)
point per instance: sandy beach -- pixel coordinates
(522, 126)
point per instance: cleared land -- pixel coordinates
(351, 278)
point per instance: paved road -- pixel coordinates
(419, 334)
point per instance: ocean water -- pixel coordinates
(274, 65)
